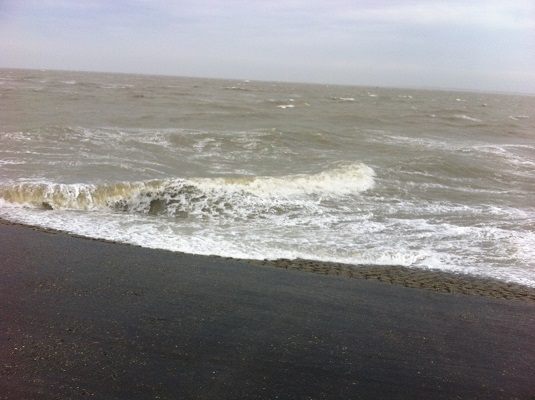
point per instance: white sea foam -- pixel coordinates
(116, 86)
(466, 117)
(11, 162)
(350, 178)
(357, 241)
(504, 153)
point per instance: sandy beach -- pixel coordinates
(87, 318)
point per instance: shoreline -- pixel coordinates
(89, 318)
(412, 277)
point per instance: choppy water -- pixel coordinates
(273, 170)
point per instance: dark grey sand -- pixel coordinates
(430, 279)
(85, 318)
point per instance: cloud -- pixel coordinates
(413, 43)
(486, 14)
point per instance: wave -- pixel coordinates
(466, 117)
(201, 196)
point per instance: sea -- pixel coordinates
(427, 179)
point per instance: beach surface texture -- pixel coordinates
(87, 318)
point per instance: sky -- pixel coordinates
(481, 45)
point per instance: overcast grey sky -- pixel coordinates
(476, 45)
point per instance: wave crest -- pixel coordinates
(204, 196)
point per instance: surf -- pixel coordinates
(179, 196)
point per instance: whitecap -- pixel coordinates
(466, 117)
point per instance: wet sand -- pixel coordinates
(86, 318)
(429, 279)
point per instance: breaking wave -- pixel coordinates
(202, 196)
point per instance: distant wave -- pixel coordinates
(466, 117)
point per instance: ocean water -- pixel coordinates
(266, 170)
